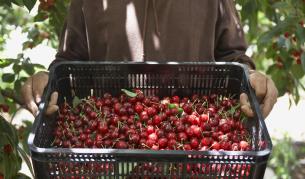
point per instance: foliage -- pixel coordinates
(277, 31)
(10, 153)
(44, 26)
(283, 158)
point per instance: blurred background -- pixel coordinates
(275, 32)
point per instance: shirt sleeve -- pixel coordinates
(73, 39)
(230, 42)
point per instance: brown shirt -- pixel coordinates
(153, 30)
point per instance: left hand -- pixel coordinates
(265, 91)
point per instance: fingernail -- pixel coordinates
(38, 99)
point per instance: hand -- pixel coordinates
(32, 91)
(265, 91)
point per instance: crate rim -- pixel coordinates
(35, 149)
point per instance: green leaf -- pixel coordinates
(303, 60)
(24, 133)
(5, 2)
(233, 109)
(300, 34)
(8, 77)
(16, 68)
(18, 2)
(296, 96)
(5, 63)
(17, 86)
(280, 28)
(28, 68)
(26, 160)
(280, 78)
(297, 71)
(23, 79)
(280, 5)
(41, 16)
(1, 98)
(10, 162)
(129, 93)
(21, 176)
(39, 66)
(136, 116)
(76, 101)
(171, 106)
(29, 4)
(7, 128)
(287, 58)
(180, 110)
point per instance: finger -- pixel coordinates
(33, 108)
(40, 81)
(26, 93)
(53, 99)
(244, 99)
(270, 98)
(52, 107)
(245, 105)
(258, 82)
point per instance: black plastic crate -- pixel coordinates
(162, 79)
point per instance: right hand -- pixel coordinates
(32, 91)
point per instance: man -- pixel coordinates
(154, 30)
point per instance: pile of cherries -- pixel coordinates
(135, 121)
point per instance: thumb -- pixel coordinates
(245, 105)
(52, 107)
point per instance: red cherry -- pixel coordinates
(182, 136)
(171, 135)
(153, 136)
(134, 138)
(157, 120)
(187, 147)
(83, 137)
(150, 129)
(66, 144)
(206, 141)
(172, 144)
(89, 142)
(215, 145)
(162, 142)
(194, 143)
(5, 108)
(175, 99)
(155, 147)
(8, 149)
(150, 143)
(121, 145)
(243, 145)
(204, 118)
(187, 108)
